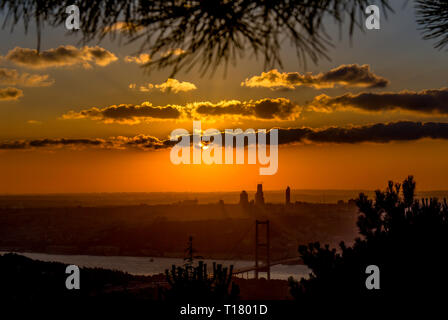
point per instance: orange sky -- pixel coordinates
(57, 109)
(308, 167)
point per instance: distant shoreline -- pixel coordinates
(214, 257)
(109, 282)
(72, 253)
(4, 250)
(201, 192)
(51, 200)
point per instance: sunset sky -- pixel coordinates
(81, 119)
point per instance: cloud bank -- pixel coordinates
(13, 77)
(169, 86)
(61, 56)
(142, 142)
(173, 52)
(142, 58)
(351, 75)
(264, 109)
(126, 113)
(375, 133)
(10, 94)
(175, 86)
(434, 101)
(123, 27)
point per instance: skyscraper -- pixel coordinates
(259, 198)
(244, 199)
(288, 196)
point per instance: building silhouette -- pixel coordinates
(244, 198)
(288, 196)
(259, 198)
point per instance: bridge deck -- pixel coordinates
(263, 268)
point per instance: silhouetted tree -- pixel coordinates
(25, 280)
(406, 238)
(432, 16)
(193, 283)
(209, 32)
(189, 283)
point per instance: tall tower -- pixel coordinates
(244, 199)
(266, 245)
(259, 198)
(288, 196)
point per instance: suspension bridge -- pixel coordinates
(265, 264)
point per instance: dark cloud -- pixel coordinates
(13, 77)
(125, 113)
(379, 133)
(10, 94)
(144, 142)
(351, 75)
(376, 133)
(120, 142)
(235, 108)
(433, 101)
(14, 145)
(354, 75)
(65, 142)
(46, 143)
(60, 57)
(276, 108)
(264, 109)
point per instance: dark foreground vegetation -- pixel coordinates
(405, 237)
(24, 280)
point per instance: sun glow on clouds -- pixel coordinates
(351, 75)
(61, 56)
(264, 109)
(13, 77)
(123, 26)
(142, 58)
(169, 86)
(10, 94)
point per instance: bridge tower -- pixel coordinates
(266, 245)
